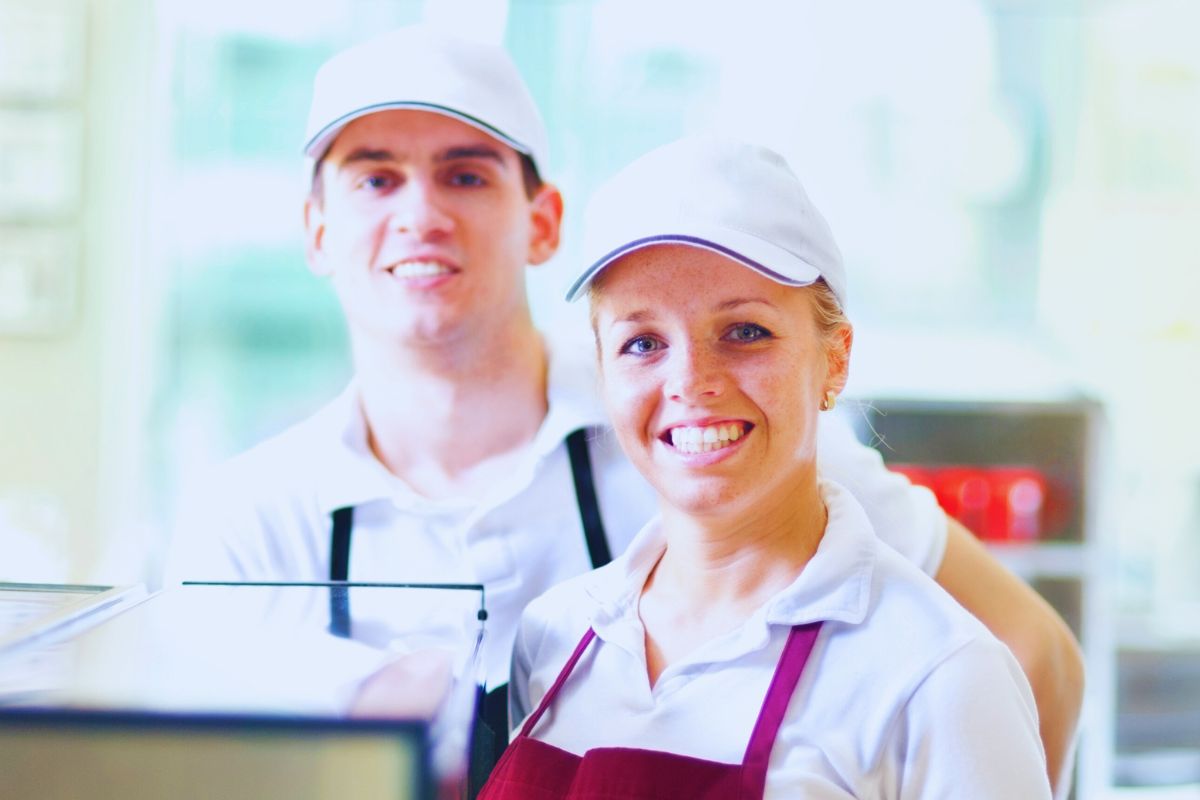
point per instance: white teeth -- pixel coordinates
(706, 439)
(419, 269)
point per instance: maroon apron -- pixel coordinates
(533, 770)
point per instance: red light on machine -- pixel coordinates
(998, 503)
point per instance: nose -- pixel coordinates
(417, 210)
(696, 374)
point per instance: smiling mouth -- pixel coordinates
(690, 439)
(419, 269)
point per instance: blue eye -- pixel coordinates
(747, 332)
(641, 345)
(467, 179)
(377, 182)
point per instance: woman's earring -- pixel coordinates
(829, 401)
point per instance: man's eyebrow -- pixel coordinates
(374, 155)
(472, 151)
(367, 154)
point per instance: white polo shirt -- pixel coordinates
(266, 514)
(905, 694)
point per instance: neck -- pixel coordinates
(434, 413)
(740, 560)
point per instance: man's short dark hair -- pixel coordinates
(529, 175)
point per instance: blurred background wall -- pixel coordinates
(1015, 186)
(77, 344)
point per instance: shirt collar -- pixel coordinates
(348, 474)
(834, 585)
(351, 475)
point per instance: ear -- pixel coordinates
(314, 237)
(545, 212)
(838, 359)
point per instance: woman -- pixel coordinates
(756, 639)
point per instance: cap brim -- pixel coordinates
(319, 143)
(750, 251)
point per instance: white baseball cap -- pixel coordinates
(425, 68)
(734, 198)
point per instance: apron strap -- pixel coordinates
(489, 736)
(339, 570)
(795, 655)
(339, 551)
(585, 496)
(559, 681)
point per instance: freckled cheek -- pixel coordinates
(776, 391)
(784, 381)
(630, 405)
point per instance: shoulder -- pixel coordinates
(285, 460)
(321, 430)
(568, 604)
(943, 643)
(905, 612)
(252, 516)
(941, 659)
(961, 709)
(558, 617)
(908, 601)
(919, 674)
(972, 718)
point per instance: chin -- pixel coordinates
(423, 331)
(703, 501)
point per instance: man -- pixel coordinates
(467, 449)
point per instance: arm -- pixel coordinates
(412, 686)
(1045, 648)
(258, 515)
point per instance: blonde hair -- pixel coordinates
(830, 318)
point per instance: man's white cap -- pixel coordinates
(736, 199)
(422, 67)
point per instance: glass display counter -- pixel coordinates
(369, 690)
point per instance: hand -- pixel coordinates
(412, 686)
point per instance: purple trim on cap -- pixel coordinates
(678, 238)
(419, 106)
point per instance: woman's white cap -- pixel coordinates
(736, 199)
(425, 68)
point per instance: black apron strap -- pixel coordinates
(339, 570)
(489, 737)
(585, 496)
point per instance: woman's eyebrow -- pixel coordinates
(637, 316)
(735, 302)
